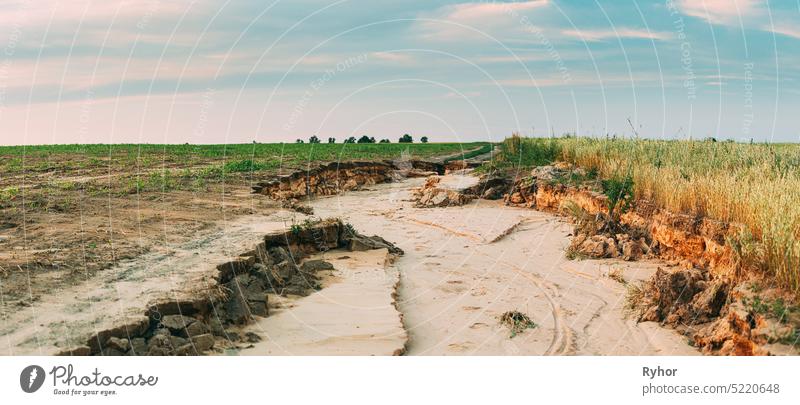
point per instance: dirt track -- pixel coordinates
(456, 282)
(463, 267)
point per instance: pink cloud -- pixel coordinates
(466, 21)
(472, 11)
(723, 12)
(789, 31)
(43, 12)
(599, 35)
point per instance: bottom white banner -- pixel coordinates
(392, 380)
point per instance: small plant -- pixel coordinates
(8, 194)
(619, 191)
(635, 299)
(296, 229)
(617, 275)
(517, 322)
(777, 308)
(349, 229)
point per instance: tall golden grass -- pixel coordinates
(755, 185)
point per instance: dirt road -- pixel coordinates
(462, 269)
(465, 266)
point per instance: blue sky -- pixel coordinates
(237, 71)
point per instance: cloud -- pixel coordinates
(789, 31)
(467, 12)
(457, 22)
(48, 12)
(632, 33)
(751, 14)
(721, 12)
(392, 57)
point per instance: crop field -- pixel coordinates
(67, 211)
(113, 170)
(756, 186)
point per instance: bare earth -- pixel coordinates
(463, 267)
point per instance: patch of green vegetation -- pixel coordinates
(486, 148)
(66, 185)
(8, 194)
(13, 165)
(619, 190)
(296, 229)
(577, 178)
(104, 155)
(776, 308)
(248, 165)
(530, 152)
(350, 229)
(517, 322)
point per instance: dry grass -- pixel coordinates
(754, 185)
(617, 274)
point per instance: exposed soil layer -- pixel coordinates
(438, 193)
(434, 194)
(700, 299)
(196, 321)
(713, 313)
(337, 177)
(695, 241)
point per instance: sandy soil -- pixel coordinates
(69, 315)
(463, 267)
(354, 314)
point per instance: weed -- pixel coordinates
(617, 275)
(245, 165)
(517, 322)
(8, 194)
(635, 299)
(619, 190)
(296, 229)
(776, 308)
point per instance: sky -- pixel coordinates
(121, 71)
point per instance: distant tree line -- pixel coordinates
(406, 138)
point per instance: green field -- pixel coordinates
(271, 155)
(49, 172)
